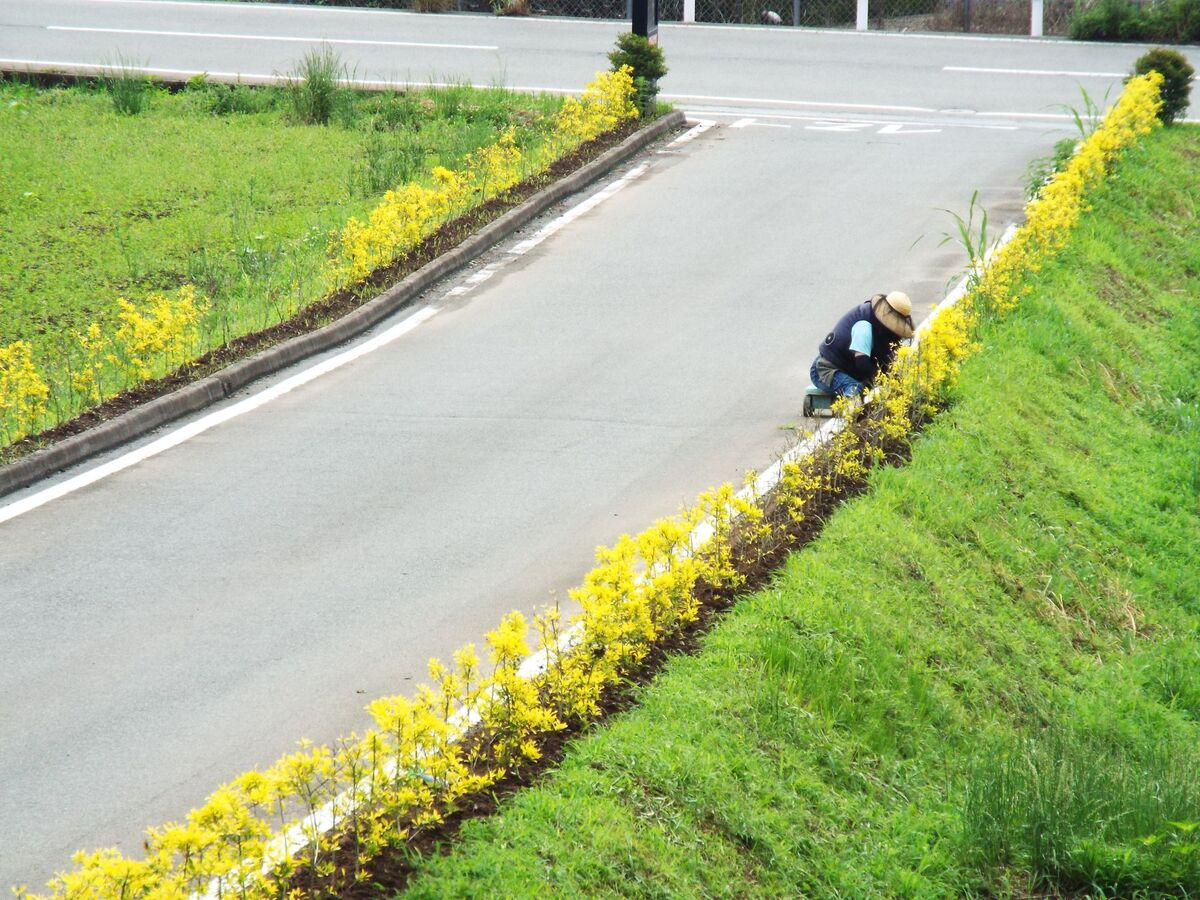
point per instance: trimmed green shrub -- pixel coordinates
(648, 64)
(1177, 79)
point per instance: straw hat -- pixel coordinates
(894, 311)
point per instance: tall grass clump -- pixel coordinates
(130, 91)
(315, 88)
(1083, 812)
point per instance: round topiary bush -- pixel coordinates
(1177, 79)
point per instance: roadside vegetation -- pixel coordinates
(983, 679)
(167, 225)
(371, 805)
(1169, 21)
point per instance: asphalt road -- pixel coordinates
(194, 615)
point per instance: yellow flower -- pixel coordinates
(23, 391)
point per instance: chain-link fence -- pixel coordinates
(980, 16)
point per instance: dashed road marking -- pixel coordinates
(1064, 72)
(906, 127)
(210, 35)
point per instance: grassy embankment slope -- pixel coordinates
(984, 676)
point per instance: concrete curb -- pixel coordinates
(227, 381)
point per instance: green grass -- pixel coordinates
(982, 679)
(223, 187)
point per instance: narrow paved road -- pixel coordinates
(195, 614)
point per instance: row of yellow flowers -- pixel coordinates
(411, 213)
(164, 331)
(150, 339)
(465, 731)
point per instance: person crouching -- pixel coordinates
(862, 344)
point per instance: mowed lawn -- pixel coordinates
(983, 679)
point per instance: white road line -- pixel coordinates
(822, 104)
(578, 210)
(901, 128)
(269, 37)
(799, 118)
(1065, 117)
(213, 419)
(746, 123)
(541, 89)
(1034, 72)
(203, 424)
(701, 126)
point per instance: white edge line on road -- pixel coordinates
(213, 419)
(527, 89)
(986, 71)
(203, 424)
(273, 78)
(1064, 117)
(578, 210)
(269, 37)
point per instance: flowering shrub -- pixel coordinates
(411, 213)
(462, 734)
(158, 336)
(23, 393)
(1051, 215)
(152, 340)
(608, 101)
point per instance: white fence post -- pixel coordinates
(689, 10)
(860, 21)
(1036, 17)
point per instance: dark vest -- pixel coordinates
(836, 346)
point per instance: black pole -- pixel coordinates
(645, 19)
